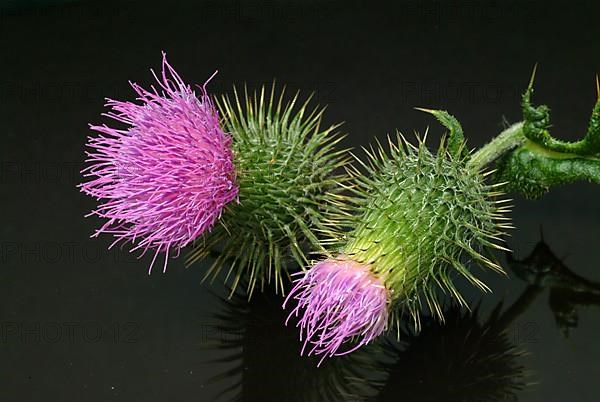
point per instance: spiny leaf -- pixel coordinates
(537, 123)
(542, 161)
(456, 138)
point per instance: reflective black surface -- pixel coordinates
(79, 322)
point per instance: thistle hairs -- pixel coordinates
(165, 178)
(341, 300)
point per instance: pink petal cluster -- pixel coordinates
(341, 300)
(165, 178)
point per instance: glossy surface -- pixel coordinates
(79, 322)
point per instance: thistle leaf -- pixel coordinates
(456, 138)
(542, 161)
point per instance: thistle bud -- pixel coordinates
(420, 219)
(285, 167)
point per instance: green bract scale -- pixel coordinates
(423, 217)
(285, 167)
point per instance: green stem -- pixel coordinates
(504, 142)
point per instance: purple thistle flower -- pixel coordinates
(342, 300)
(165, 179)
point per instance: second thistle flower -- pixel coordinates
(421, 218)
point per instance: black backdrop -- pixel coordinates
(82, 323)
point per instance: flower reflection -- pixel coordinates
(567, 290)
(469, 357)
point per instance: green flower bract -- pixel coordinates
(423, 218)
(286, 171)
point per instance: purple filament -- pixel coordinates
(341, 300)
(165, 178)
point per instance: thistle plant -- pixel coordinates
(252, 186)
(252, 180)
(421, 219)
(260, 367)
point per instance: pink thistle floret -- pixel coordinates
(165, 178)
(341, 300)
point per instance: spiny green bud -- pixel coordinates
(285, 167)
(420, 219)
(423, 215)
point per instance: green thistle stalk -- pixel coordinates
(285, 165)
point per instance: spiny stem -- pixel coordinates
(505, 141)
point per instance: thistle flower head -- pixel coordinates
(165, 178)
(341, 300)
(420, 218)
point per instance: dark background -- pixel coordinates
(82, 323)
